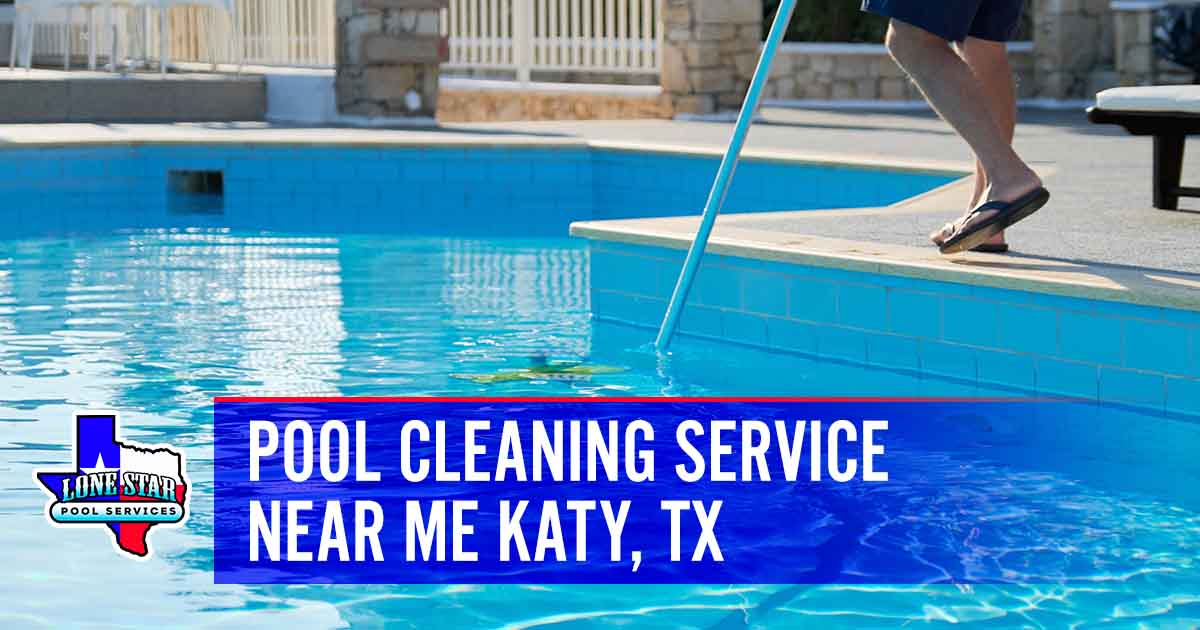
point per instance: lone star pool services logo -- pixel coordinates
(119, 485)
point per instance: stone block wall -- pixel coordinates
(1136, 63)
(554, 76)
(467, 105)
(710, 53)
(388, 52)
(1073, 40)
(858, 72)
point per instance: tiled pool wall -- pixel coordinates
(485, 191)
(640, 184)
(1121, 353)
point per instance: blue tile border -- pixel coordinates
(1142, 357)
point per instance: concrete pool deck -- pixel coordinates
(1099, 238)
(1101, 211)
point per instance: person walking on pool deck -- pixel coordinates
(954, 50)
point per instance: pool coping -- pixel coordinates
(252, 134)
(1081, 279)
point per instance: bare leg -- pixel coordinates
(953, 89)
(989, 62)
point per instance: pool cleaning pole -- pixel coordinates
(720, 187)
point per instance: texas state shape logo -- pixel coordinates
(118, 485)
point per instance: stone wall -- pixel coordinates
(1073, 47)
(859, 72)
(388, 52)
(467, 105)
(710, 53)
(1136, 63)
(555, 76)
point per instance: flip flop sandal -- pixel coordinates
(991, 248)
(947, 231)
(971, 235)
(1040, 198)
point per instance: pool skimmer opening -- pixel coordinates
(196, 191)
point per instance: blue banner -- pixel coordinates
(651, 491)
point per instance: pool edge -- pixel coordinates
(1077, 279)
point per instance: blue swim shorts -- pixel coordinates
(955, 20)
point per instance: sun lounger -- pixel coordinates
(1170, 114)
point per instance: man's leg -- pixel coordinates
(988, 60)
(952, 88)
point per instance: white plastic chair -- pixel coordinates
(109, 7)
(29, 12)
(24, 23)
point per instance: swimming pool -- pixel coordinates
(158, 319)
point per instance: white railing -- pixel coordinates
(606, 37)
(295, 33)
(522, 36)
(289, 32)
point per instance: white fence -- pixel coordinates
(522, 36)
(297, 33)
(289, 32)
(293, 33)
(607, 37)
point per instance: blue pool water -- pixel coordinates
(324, 275)
(157, 322)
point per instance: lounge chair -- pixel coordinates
(1170, 113)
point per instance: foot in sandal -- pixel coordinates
(992, 218)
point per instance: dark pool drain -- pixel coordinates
(200, 192)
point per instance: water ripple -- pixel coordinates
(157, 322)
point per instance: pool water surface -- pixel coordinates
(156, 322)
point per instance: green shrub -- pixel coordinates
(825, 21)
